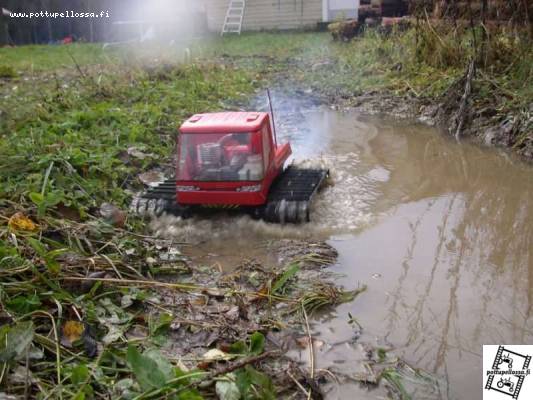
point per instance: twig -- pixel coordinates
(306, 392)
(4, 369)
(464, 99)
(76, 312)
(433, 29)
(178, 286)
(311, 348)
(417, 95)
(112, 265)
(58, 351)
(76, 64)
(327, 371)
(241, 363)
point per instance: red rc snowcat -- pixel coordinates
(232, 160)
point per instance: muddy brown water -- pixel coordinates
(440, 232)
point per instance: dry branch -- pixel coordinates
(461, 113)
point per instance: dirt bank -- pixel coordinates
(480, 124)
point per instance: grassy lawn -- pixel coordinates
(81, 122)
(45, 58)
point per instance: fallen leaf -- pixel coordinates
(233, 313)
(15, 340)
(217, 355)
(203, 365)
(113, 215)
(114, 332)
(216, 293)
(20, 375)
(199, 300)
(150, 260)
(303, 342)
(68, 212)
(227, 389)
(19, 222)
(71, 331)
(146, 370)
(152, 178)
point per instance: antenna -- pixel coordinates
(272, 118)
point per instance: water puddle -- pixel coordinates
(440, 232)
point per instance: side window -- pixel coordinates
(266, 148)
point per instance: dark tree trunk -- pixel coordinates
(3, 30)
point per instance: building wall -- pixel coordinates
(268, 14)
(341, 8)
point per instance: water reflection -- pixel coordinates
(453, 245)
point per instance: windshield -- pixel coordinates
(220, 157)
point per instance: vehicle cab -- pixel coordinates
(228, 158)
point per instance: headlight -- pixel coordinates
(254, 188)
(187, 188)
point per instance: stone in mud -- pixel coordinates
(490, 135)
(113, 215)
(152, 178)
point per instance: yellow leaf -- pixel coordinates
(71, 331)
(19, 222)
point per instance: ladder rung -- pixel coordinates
(234, 17)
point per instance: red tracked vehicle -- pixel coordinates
(232, 160)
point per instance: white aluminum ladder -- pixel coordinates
(234, 17)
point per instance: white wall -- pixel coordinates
(268, 14)
(333, 8)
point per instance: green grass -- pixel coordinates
(276, 45)
(45, 58)
(82, 125)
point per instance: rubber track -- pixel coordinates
(165, 190)
(288, 200)
(296, 184)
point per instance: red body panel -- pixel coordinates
(225, 122)
(202, 192)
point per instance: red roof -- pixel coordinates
(224, 122)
